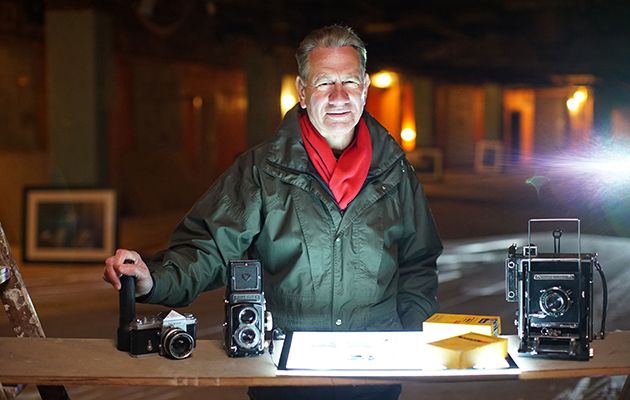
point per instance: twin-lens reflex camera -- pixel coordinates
(246, 317)
(169, 333)
(554, 292)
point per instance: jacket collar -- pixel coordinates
(287, 149)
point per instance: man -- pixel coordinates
(330, 205)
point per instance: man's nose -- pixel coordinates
(338, 94)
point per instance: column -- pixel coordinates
(493, 111)
(263, 97)
(425, 111)
(78, 76)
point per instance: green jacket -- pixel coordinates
(372, 267)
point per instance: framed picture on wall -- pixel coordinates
(77, 225)
(427, 162)
(488, 156)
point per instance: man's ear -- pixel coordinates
(366, 86)
(301, 89)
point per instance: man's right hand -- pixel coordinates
(128, 262)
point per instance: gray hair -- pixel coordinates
(327, 37)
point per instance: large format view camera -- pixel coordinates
(246, 319)
(554, 291)
(168, 333)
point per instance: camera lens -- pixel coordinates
(247, 315)
(247, 337)
(554, 301)
(177, 343)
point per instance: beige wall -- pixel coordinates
(19, 169)
(459, 122)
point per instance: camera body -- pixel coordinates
(245, 310)
(169, 333)
(554, 292)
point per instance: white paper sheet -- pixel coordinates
(370, 354)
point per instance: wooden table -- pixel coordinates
(51, 361)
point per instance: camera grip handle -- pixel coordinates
(127, 311)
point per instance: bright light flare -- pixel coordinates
(573, 104)
(287, 101)
(408, 134)
(288, 94)
(601, 170)
(581, 95)
(594, 179)
(610, 166)
(578, 99)
(615, 168)
(383, 79)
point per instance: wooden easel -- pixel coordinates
(22, 317)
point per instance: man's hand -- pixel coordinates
(128, 262)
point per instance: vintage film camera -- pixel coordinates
(169, 333)
(246, 319)
(554, 292)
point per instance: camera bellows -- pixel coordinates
(470, 350)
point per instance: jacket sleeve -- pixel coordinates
(418, 253)
(220, 227)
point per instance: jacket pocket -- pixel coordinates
(366, 245)
(374, 246)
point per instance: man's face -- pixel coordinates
(334, 93)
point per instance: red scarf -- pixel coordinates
(346, 175)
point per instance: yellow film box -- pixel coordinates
(469, 350)
(441, 326)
